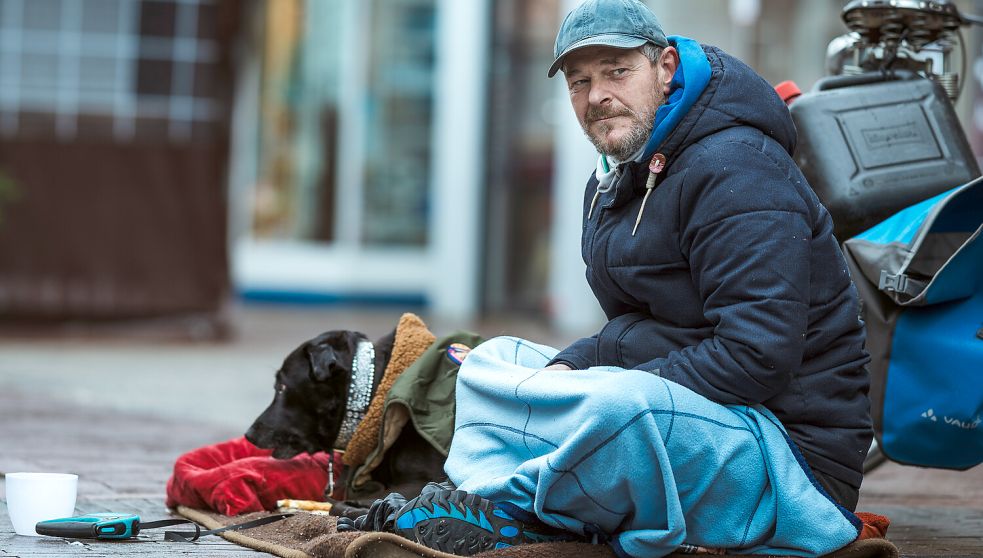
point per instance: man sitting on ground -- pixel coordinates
(724, 404)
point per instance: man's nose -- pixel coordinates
(599, 94)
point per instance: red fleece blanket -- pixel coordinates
(236, 477)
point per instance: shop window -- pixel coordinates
(129, 61)
(158, 19)
(520, 152)
(397, 167)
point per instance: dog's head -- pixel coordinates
(311, 396)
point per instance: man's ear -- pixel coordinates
(667, 65)
(324, 362)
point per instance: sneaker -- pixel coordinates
(465, 524)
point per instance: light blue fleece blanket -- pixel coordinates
(641, 460)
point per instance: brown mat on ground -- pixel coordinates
(307, 535)
(304, 535)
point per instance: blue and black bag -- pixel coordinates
(920, 277)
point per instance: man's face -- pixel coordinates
(615, 94)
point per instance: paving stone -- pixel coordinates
(123, 461)
(148, 543)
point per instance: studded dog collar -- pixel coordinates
(359, 392)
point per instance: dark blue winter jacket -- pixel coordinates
(733, 284)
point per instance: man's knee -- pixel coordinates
(619, 396)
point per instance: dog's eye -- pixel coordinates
(280, 388)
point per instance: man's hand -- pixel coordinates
(558, 366)
(381, 516)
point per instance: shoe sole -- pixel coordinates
(458, 523)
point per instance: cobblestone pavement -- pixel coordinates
(119, 409)
(122, 458)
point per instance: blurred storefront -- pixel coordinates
(155, 153)
(113, 154)
(358, 165)
(521, 136)
(412, 151)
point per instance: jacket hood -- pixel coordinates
(738, 97)
(711, 91)
(687, 85)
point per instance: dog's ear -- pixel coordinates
(324, 362)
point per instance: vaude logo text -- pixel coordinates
(964, 424)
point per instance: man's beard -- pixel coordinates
(639, 132)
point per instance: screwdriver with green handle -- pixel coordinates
(92, 526)
(118, 526)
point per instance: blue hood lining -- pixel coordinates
(687, 84)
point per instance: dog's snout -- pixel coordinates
(261, 432)
(259, 435)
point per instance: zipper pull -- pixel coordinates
(656, 165)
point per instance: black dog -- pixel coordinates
(311, 396)
(310, 406)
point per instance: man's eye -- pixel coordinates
(619, 71)
(578, 84)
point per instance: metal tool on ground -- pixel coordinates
(120, 526)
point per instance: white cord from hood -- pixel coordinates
(656, 165)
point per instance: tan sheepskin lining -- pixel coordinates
(412, 340)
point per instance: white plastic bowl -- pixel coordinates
(33, 497)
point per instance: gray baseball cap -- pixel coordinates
(613, 23)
